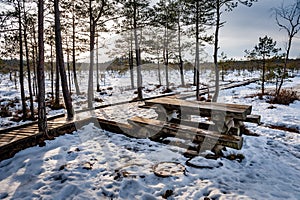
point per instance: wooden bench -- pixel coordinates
(196, 135)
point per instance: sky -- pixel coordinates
(245, 25)
(242, 30)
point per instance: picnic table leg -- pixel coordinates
(163, 114)
(240, 126)
(223, 123)
(184, 115)
(211, 146)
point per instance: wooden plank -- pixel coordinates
(29, 130)
(11, 138)
(202, 125)
(230, 130)
(214, 104)
(20, 132)
(6, 138)
(206, 109)
(185, 132)
(253, 119)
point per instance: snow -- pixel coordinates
(95, 164)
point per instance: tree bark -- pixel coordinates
(59, 55)
(52, 71)
(35, 59)
(69, 69)
(56, 102)
(28, 67)
(263, 77)
(73, 55)
(137, 52)
(21, 75)
(285, 64)
(166, 56)
(197, 60)
(97, 66)
(179, 51)
(158, 63)
(91, 70)
(42, 119)
(216, 48)
(131, 59)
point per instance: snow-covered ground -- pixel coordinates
(116, 88)
(95, 164)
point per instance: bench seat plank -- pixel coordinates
(190, 133)
(253, 119)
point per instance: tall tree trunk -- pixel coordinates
(69, 74)
(216, 47)
(24, 112)
(91, 70)
(59, 55)
(263, 77)
(34, 69)
(285, 65)
(131, 60)
(195, 71)
(197, 60)
(16, 85)
(137, 52)
(56, 102)
(73, 55)
(52, 71)
(69, 69)
(42, 119)
(35, 58)
(28, 68)
(166, 56)
(130, 56)
(158, 63)
(179, 51)
(97, 65)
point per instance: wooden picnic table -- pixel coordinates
(222, 125)
(224, 116)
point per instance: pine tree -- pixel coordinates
(198, 15)
(42, 118)
(60, 59)
(265, 49)
(218, 5)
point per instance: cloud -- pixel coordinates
(245, 25)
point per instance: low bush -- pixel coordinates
(285, 97)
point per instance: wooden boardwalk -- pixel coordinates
(17, 138)
(203, 91)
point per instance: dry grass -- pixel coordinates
(285, 97)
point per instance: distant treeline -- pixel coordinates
(120, 64)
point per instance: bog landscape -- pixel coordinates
(133, 99)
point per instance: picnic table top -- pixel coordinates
(204, 109)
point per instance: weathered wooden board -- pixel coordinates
(19, 134)
(206, 109)
(189, 133)
(253, 119)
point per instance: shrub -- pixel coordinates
(285, 97)
(4, 112)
